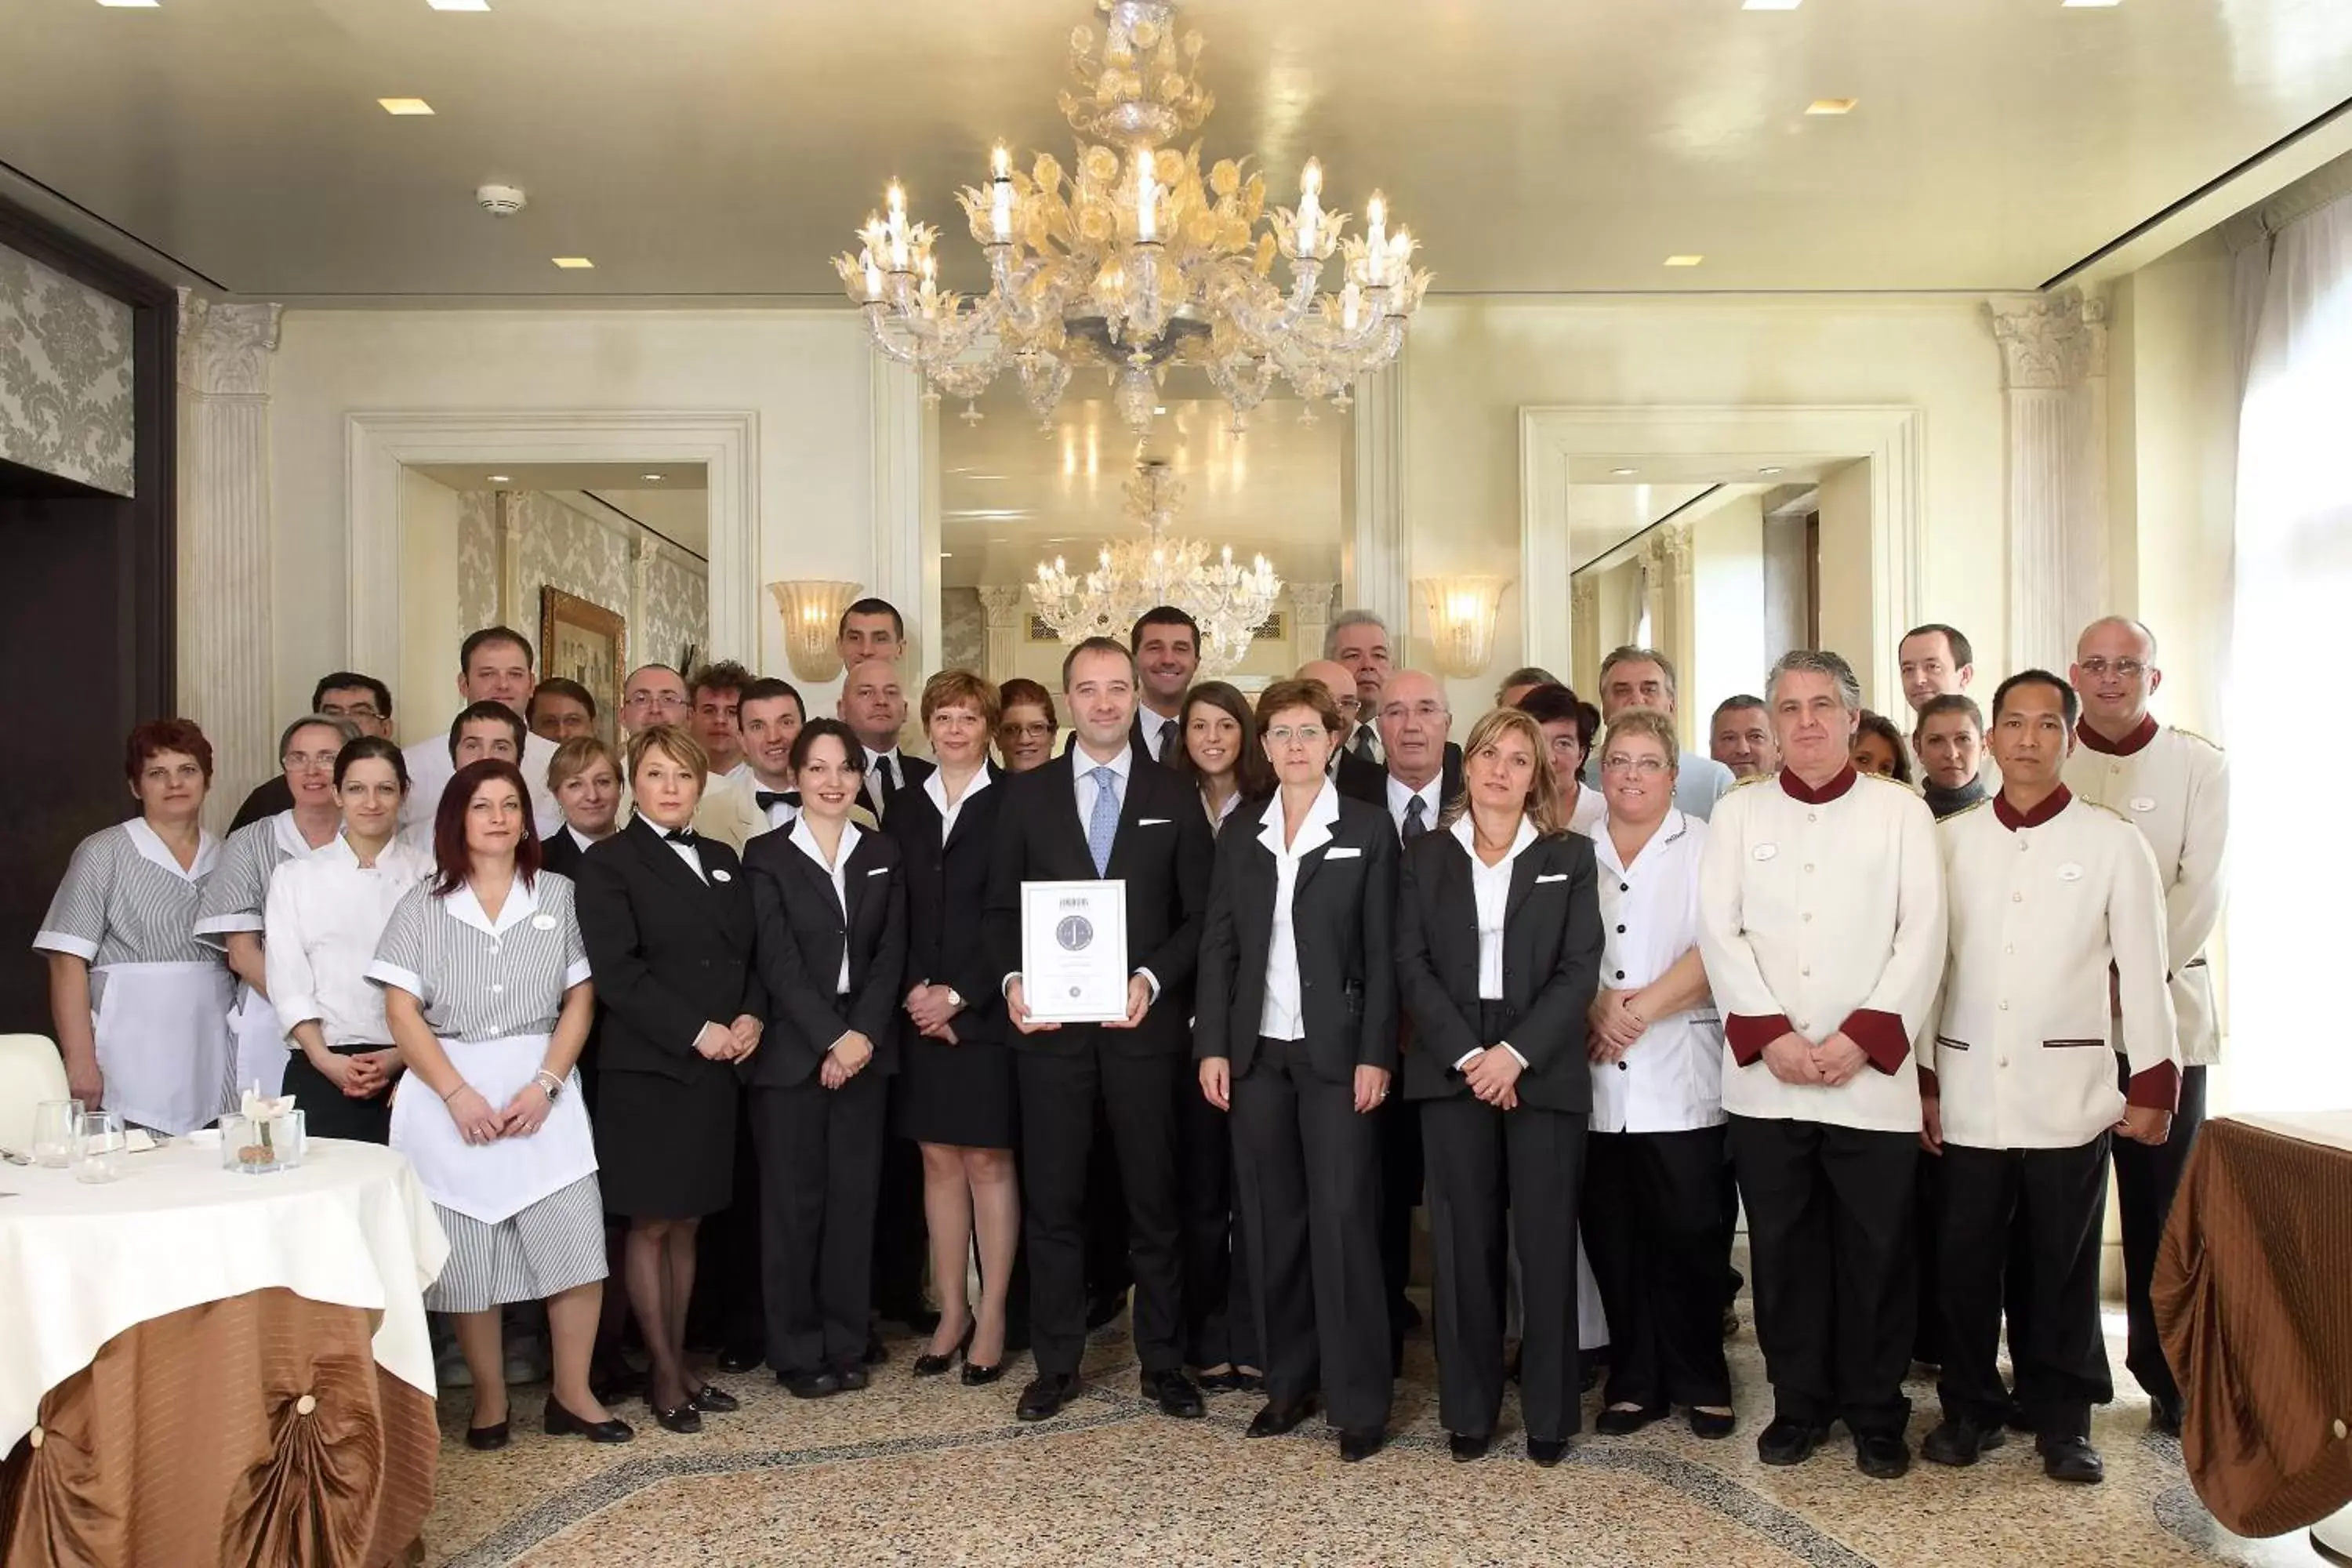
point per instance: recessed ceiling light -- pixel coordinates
(501, 478)
(130, 4)
(1832, 106)
(2087, 4)
(573, 263)
(1770, 5)
(656, 479)
(459, 5)
(1161, 410)
(1621, 471)
(1684, 260)
(1767, 469)
(946, 555)
(406, 106)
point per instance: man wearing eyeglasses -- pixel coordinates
(2175, 788)
(1644, 678)
(363, 699)
(653, 694)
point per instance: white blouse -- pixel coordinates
(935, 784)
(1671, 1079)
(323, 917)
(837, 871)
(1284, 1016)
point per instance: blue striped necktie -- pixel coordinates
(1102, 826)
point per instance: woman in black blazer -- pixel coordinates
(1498, 954)
(666, 917)
(831, 901)
(1296, 1035)
(954, 1093)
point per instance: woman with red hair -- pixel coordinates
(486, 990)
(141, 1006)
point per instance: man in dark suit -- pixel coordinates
(1166, 643)
(1100, 810)
(874, 706)
(1424, 771)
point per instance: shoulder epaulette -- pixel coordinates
(1885, 779)
(2109, 810)
(1755, 779)
(2194, 736)
(1956, 816)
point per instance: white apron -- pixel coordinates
(495, 1180)
(261, 1042)
(163, 1040)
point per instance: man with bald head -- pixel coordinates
(653, 694)
(2175, 788)
(874, 705)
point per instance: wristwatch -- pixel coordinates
(955, 998)
(549, 1084)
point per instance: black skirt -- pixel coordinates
(328, 1111)
(959, 1095)
(666, 1148)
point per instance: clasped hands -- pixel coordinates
(1615, 1026)
(929, 1007)
(1792, 1059)
(525, 1114)
(730, 1042)
(1494, 1076)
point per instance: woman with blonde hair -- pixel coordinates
(1498, 954)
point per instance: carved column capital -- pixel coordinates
(1669, 550)
(2047, 341)
(224, 349)
(1004, 604)
(1583, 595)
(1311, 601)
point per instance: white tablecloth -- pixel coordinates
(81, 1263)
(2332, 1128)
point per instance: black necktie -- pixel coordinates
(1167, 739)
(681, 836)
(889, 784)
(1367, 737)
(768, 799)
(1415, 810)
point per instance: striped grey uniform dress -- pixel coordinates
(482, 982)
(160, 998)
(233, 901)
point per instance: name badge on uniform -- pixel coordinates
(719, 876)
(543, 922)
(2143, 803)
(2070, 872)
(1765, 851)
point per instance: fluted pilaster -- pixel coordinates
(2054, 366)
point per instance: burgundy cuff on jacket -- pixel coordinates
(2158, 1087)
(1748, 1034)
(1880, 1038)
(1928, 1087)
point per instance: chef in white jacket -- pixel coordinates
(2049, 897)
(2175, 788)
(494, 664)
(1821, 927)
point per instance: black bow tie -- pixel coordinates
(768, 799)
(681, 836)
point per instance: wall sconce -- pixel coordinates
(811, 610)
(1461, 621)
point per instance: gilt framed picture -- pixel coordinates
(585, 642)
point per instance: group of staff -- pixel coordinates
(1595, 1000)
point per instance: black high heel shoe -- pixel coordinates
(714, 1401)
(561, 1423)
(929, 1365)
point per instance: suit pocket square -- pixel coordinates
(1153, 821)
(880, 871)
(1551, 877)
(1344, 853)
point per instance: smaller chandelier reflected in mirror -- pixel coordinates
(1138, 258)
(1228, 600)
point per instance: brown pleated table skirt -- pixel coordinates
(256, 1431)
(2254, 1296)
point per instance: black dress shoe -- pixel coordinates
(486, 1438)
(561, 1423)
(1788, 1442)
(1466, 1447)
(2074, 1461)
(2164, 1417)
(851, 1378)
(1615, 1422)
(1882, 1455)
(1354, 1447)
(684, 1418)
(739, 1359)
(1281, 1416)
(1546, 1451)
(976, 1375)
(930, 1365)
(1229, 1381)
(1960, 1441)
(714, 1401)
(819, 1384)
(877, 1352)
(1713, 1426)
(1175, 1392)
(1048, 1392)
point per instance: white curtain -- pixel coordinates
(2291, 737)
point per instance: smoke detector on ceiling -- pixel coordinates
(500, 201)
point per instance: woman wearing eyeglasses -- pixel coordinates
(1655, 1223)
(1498, 954)
(229, 914)
(1295, 1038)
(1024, 725)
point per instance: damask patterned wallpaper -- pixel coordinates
(510, 543)
(963, 630)
(65, 376)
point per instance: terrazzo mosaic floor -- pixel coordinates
(935, 1473)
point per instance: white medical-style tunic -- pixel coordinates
(1671, 1079)
(325, 915)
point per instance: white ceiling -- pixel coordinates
(727, 147)
(1011, 495)
(676, 505)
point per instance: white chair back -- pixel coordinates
(30, 1072)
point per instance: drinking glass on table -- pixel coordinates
(97, 1146)
(54, 1124)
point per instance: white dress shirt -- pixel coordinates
(1670, 1079)
(837, 871)
(935, 784)
(878, 764)
(1490, 888)
(324, 915)
(1285, 1018)
(1162, 745)
(582, 839)
(777, 816)
(685, 851)
(1402, 794)
(1082, 768)
(1585, 814)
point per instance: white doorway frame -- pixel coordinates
(378, 446)
(1891, 436)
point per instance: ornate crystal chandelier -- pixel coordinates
(1230, 601)
(1136, 259)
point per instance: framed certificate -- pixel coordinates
(1074, 967)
